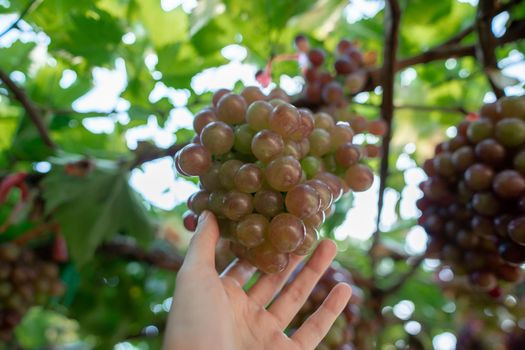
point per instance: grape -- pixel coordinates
(231, 109)
(211, 179)
(323, 121)
(268, 203)
(227, 172)
(267, 145)
(236, 205)
(509, 184)
(311, 166)
(490, 151)
(341, 134)
(512, 253)
(243, 139)
(509, 273)
(332, 93)
(311, 236)
(267, 259)
(334, 182)
(519, 162)
(286, 232)
(248, 178)
(217, 137)
(324, 192)
(355, 55)
(251, 230)
(216, 202)
(311, 74)
(444, 165)
(320, 142)
(343, 46)
(252, 94)
(486, 203)
(302, 201)
(218, 95)
(203, 118)
(484, 280)
(377, 127)
(293, 149)
(306, 125)
(198, 201)
(479, 177)
(285, 120)
(258, 115)
(312, 92)
(463, 157)
(359, 177)
(316, 57)
(479, 130)
(279, 94)
(304, 147)
(344, 66)
(189, 220)
(283, 173)
(355, 82)
(194, 159)
(516, 229)
(359, 124)
(510, 132)
(512, 107)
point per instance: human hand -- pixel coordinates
(214, 312)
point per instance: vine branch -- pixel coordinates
(32, 111)
(393, 15)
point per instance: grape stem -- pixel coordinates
(485, 45)
(392, 19)
(32, 111)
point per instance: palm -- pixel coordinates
(224, 316)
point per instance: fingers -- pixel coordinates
(313, 330)
(240, 271)
(267, 286)
(202, 245)
(295, 294)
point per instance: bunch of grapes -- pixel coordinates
(341, 334)
(25, 281)
(270, 172)
(474, 199)
(324, 87)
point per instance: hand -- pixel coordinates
(214, 312)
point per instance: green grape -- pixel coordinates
(251, 230)
(252, 94)
(323, 121)
(292, 148)
(302, 201)
(285, 120)
(509, 184)
(258, 115)
(267, 260)
(193, 159)
(347, 155)
(320, 142)
(248, 178)
(268, 203)
(311, 166)
(243, 139)
(329, 163)
(267, 145)
(237, 204)
(286, 232)
(227, 173)
(203, 118)
(341, 134)
(283, 173)
(324, 192)
(310, 238)
(211, 180)
(217, 137)
(510, 132)
(479, 177)
(231, 109)
(479, 130)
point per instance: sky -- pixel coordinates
(157, 182)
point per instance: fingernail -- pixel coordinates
(202, 217)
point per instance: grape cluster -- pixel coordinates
(473, 206)
(25, 281)
(270, 172)
(341, 335)
(327, 88)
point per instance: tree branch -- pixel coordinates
(157, 257)
(486, 43)
(31, 5)
(447, 109)
(393, 15)
(32, 111)
(147, 152)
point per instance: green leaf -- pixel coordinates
(202, 14)
(163, 27)
(16, 56)
(92, 208)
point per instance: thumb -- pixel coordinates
(202, 245)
